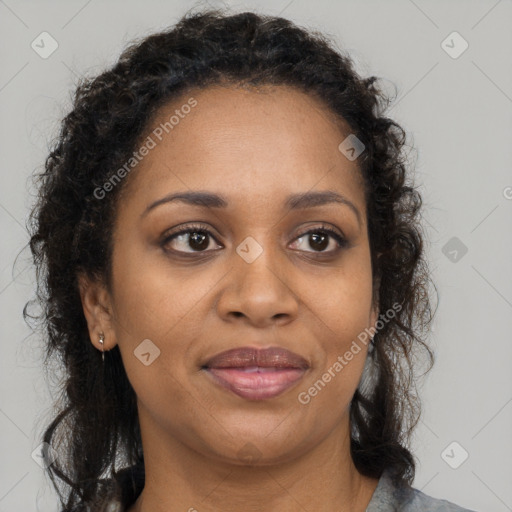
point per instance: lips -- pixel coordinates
(256, 374)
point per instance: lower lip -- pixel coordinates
(256, 385)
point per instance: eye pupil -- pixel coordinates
(323, 244)
(199, 238)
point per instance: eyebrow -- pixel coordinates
(299, 201)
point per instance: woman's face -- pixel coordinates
(253, 281)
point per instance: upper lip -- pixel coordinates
(243, 357)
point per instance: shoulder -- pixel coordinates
(402, 498)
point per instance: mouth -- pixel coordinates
(256, 374)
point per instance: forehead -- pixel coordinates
(265, 143)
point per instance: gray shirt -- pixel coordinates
(387, 497)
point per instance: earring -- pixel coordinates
(102, 339)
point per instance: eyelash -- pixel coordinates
(196, 228)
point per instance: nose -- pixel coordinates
(259, 292)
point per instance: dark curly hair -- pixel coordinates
(95, 432)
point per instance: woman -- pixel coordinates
(231, 268)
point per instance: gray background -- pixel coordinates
(458, 114)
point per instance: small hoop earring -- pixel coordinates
(102, 339)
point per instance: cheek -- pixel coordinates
(340, 361)
(341, 311)
(343, 303)
(153, 299)
(160, 311)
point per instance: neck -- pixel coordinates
(322, 478)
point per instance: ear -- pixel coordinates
(97, 307)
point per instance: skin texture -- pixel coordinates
(255, 148)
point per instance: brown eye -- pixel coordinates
(196, 238)
(319, 238)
